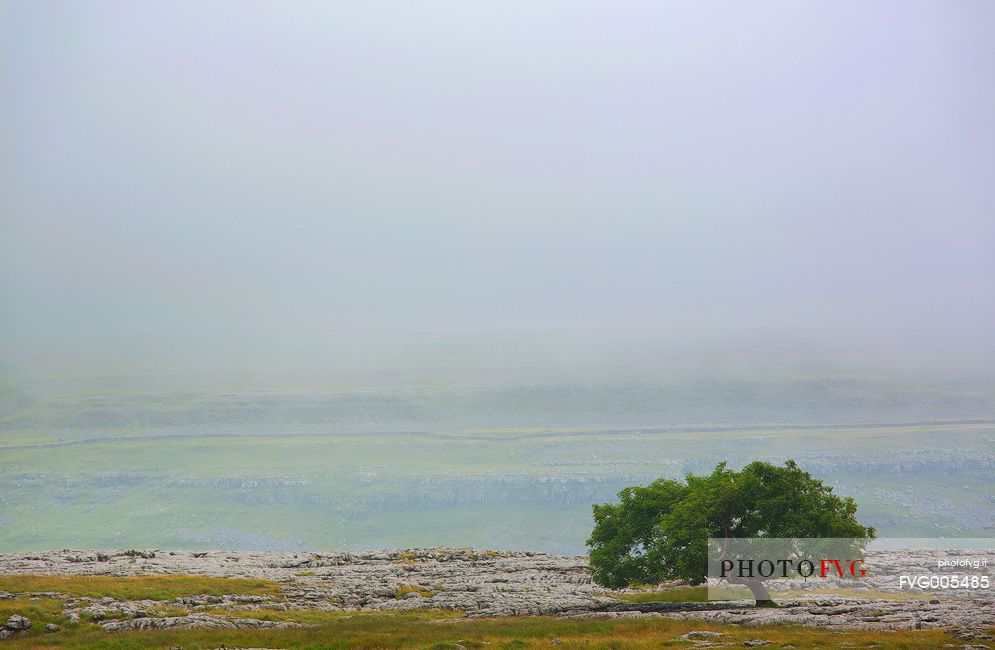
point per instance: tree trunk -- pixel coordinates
(760, 593)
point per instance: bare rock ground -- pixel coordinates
(193, 621)
(479, 583)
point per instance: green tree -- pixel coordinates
(660, 532)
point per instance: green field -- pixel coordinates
(507, 468)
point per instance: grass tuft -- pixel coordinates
(669, 595)
(404, 590)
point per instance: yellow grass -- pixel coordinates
(668, 595)
(403, 590)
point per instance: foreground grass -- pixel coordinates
(416, 630)
(165, 587)
(433, 630)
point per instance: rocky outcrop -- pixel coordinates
(853, 613)
(16, 623)
(194, 621)
(478, 583)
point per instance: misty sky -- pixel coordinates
(179, 174)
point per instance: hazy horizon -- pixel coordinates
(330, 275)
(213, 188)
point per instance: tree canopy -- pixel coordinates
(660, 532)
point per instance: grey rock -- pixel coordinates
(195, 621)
(701, 635)
(16, 623)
